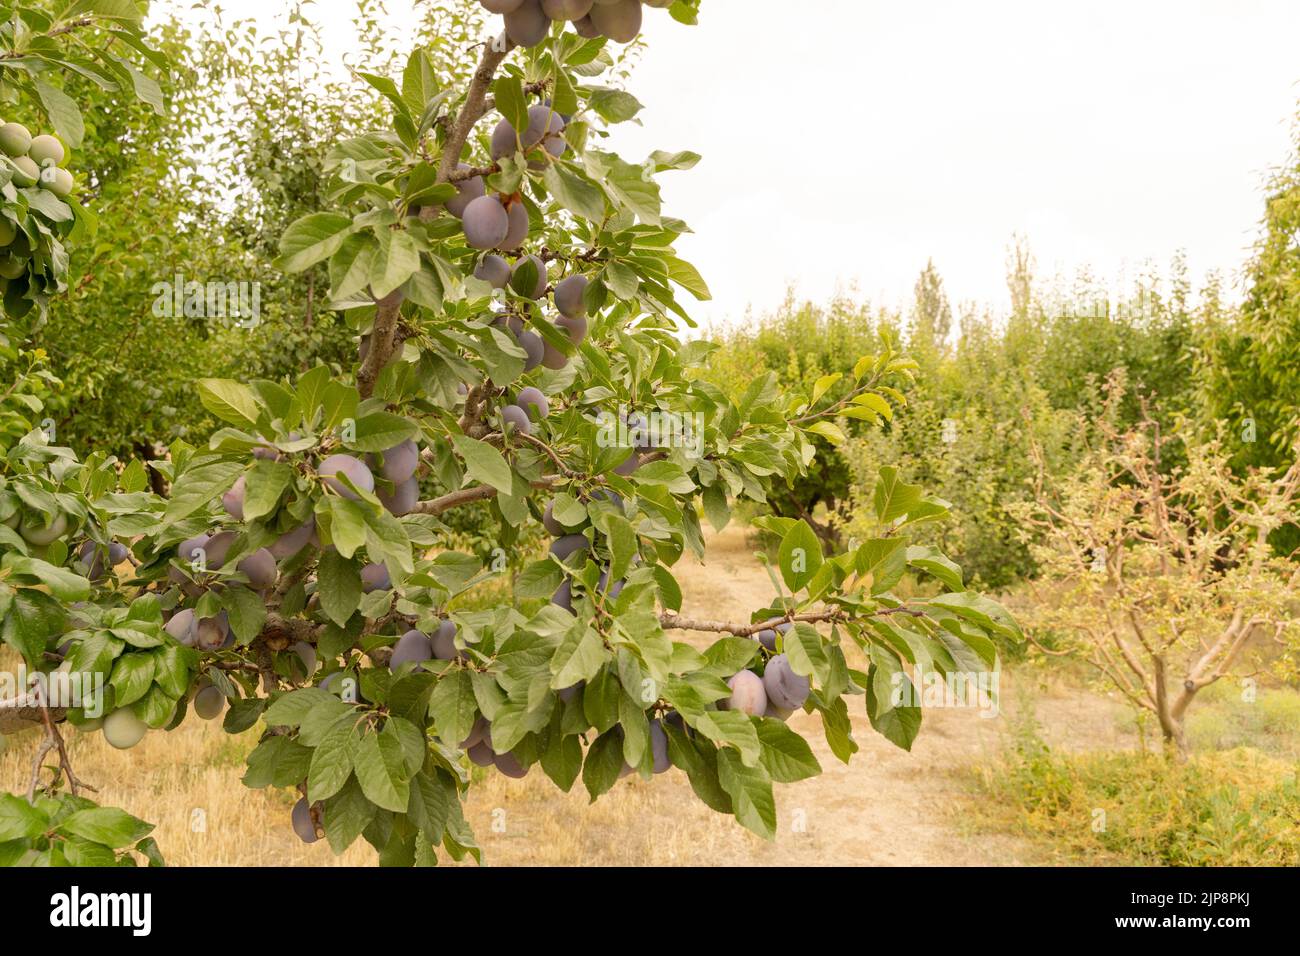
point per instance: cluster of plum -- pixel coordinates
(529, 21)
(778, 692)
(529, 278)
(33, 161)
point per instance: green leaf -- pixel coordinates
(786, 756)
(454, 707)
(380, 431)
(63, 584)
(264, 485)
(332, 760)
(575, 193)
(229, 401)
(132, 676)
(484, 463)
(19, 820)
(750, 789)
(892, 498)
(347, 813)
(396, 261)
(579, 657)
(339, 586)
(380, 771)
(800, 555)
(63, 113)
(312, 239)
(107, 826)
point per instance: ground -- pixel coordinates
(888, 807)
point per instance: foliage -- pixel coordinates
(64, 830)
(1162, 581)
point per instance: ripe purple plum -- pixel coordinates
(509, 765)
(467, 190)
(533, 398)
(259, 567)
(767, 637)
(527, 24)
(291, 542)
(563, 596)
(486, 223)
(477, 734)
(586, 29)
(534, 349)
(481, 754)
(515, 418)
(218, 549)
(566, 9)
(553, 358)
(570, 544)
(619, 20)
(784, 687)
(629, 465)
(307, 654)
(213, 633)
(530, 283)
(747, 694)
(575, 329)
(493, 270)
(444, 642)
(337, 467)
(303, 824)
(403, 499)
(659, 746)
(517, 214)
(375, 577)
(569, 296)
(182, 626)
(233, 500)
(500, 6)
(399, 462)
(411, 647)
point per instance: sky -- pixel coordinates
(848, 142)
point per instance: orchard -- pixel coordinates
(516, 300)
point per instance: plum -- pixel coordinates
(563, 596)
(467, 190)
(619, 20)
(15, 139)
(566, 9)
(534, 349)
(553, 358)
(35, 531)
(27, 172)
(562, 548)
(336, 467)
(779, 713)
(515, 418)
(400, 462)
(500, 6)
(481, 754)
(209, 703)
(517, 215)
(612, 590)
(586, 29)
(527, 24)
(629, 465)
(747, 694)
(786, 689)
(505, 140)
(493, 270)
(117, 553)
(302, 821)
(375, 577)
(509, 765)
(182, 627)
(659, 746)
(259, 567)
(213, 633)
(444, 642)
(233, 500)
(533, 397)
(486, 223)
(767, 637)
(569, 296)
(291, 542)
(46, 149)
(575, 329)
(123, 729)
(411, 647)
(307, 654)
(477, 734)
(551, 523)
(529, 283)
(567, 694)
(218, 549)
(403, 499)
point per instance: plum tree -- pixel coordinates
(333, 608)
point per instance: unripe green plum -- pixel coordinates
(569, 296)
(411, 647)
(259, 567)
(8, 232)
(575, 329)
(534, 349)
(47, 149)
(533, 398)
(403, 499)
(747, 694)
(12, 268)
(493, 270)
(530, 283)
(620, 20)
(467, 190)
(209, 703)
(58, 181)
(334, 468)
(233, 500)
(527, 25)
(123, 729)
(486, 223)
(303, 824)
(35, 531)
(375, 577)
(517, 419)
(15, 139)
(784, 687)
(27, 173)
(566, 9)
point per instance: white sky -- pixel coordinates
(848, 142)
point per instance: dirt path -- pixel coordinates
(887, 807)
